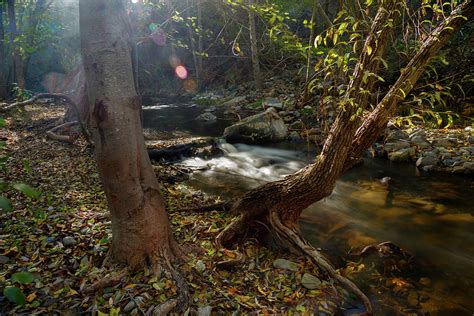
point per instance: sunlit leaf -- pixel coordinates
(369, 50)
(27, 190)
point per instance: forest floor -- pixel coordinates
(61, 238)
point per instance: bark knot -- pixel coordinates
(100, 111)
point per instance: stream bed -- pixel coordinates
(428, 215)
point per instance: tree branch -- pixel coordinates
(60, 96)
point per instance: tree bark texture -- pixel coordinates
(347, 140)
(290, 196)
(141, 233)
(3, 59)
(257, 75)
(16, 57)
(280, 203)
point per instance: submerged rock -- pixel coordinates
(426, 161)
(207, 116)
(294, 137)
(464, 168)
(264, 127)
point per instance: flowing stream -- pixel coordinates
(430, 216)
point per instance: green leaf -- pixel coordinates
(27, 190)
(23, 277)
(27, 166)
(5, 204)
(2, 122)
(14, 295)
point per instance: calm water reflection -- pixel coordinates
(430, 216)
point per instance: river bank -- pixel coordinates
(430, 150)
(63, 236)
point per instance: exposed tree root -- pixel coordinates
(229, 234)
(107, 281)
(63, 138)
(299, 243)
(59, 96)
(181, 303)
(163, 309)
(232, 263)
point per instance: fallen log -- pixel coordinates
(202, 148)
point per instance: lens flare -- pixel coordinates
(181, 72)
(174, 61)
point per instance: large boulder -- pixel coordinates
(261, 128)
(396, 135)
(404, 154)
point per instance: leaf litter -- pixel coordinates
(56, 237)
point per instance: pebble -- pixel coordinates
(129, 307)
(310, 282)
(4, 259)
(50, 240)
(204, 310)
(200, 266)
(285, 265)
(69, 241)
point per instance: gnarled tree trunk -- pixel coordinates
(141, 232)
(280, 203)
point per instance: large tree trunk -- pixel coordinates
(16, 57)
(3, 59)
(316, 181)
(257, 75)
(141, 233)
(280, 203)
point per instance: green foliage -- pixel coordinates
(23, 277)
(27, 190)
(255, 105)
(14, 295)
(21, 94)
(5, 204)
(206, 101)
